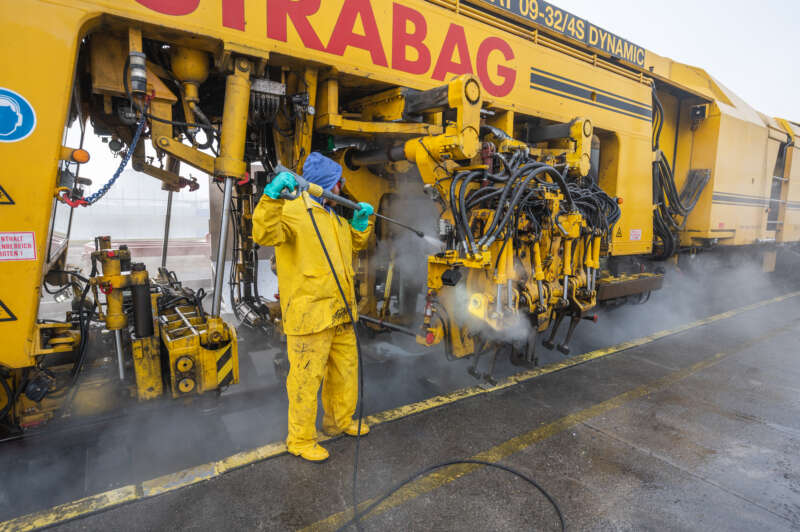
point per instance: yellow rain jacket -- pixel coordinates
(310, 299)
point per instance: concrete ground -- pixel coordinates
(695, 430)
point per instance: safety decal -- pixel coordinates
(225, 370)
(5, 198)
(619, 232)
(5, 313)
(636, 234)
(18, 246)
(17, 117)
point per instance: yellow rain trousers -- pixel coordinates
(330, 357)
(320, 338)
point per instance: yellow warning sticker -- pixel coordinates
(5, 199)
(619, 232)
(5, 313)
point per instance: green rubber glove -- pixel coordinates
(278, 183)
(360, 219)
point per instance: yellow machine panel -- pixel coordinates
(748, 155)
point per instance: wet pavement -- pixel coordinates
(696, 430)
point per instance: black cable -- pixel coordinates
(57, 291)
(84, 326)
(462, 210)
(432, 468)
(357, 515)
(74, 274)
(9, 396)
(444, 319)
(360, 365)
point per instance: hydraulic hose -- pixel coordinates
(460, 232)
(482, 195)
(463, 210)
(501, 202)
(9, 398)
(491, 235)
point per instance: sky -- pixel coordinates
(750, 47)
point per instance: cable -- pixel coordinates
(432, 468)
(9, 396)
(74, 274)
(357, 515)
(360, 365)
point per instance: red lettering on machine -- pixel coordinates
(17, 246)
(410, 53)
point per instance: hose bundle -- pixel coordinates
(518, 190)
(670, 204)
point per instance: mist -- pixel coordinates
(80, 457)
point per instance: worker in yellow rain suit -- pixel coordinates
(320, 339)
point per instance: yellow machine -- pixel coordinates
(563, 160)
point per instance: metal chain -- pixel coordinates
(122, 164)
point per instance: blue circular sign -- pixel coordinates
(17, 117)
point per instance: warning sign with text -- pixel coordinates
(18, 246)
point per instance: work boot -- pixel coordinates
(317, 453)
(352, 429)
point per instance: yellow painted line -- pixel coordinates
(434, 402)
(72, 510)
(499, 452)
(181, 479)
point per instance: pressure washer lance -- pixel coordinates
(316, 190)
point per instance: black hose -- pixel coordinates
(360, 365)
(432, 468)
(492, 234)
(463, 210)
(658, 118)
(454, 206)
(74, 274)
(501, 202)
(357, 515)
(444, 319)
(9, 396)
(84, 325)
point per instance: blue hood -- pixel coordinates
(321, 171)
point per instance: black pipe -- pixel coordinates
(462, 210)
(460, 231)
(9, 397)
(386, 325)
(142, 309)
(417, 102)
(355, 159)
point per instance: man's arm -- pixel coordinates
(270, 228)
(361, 226)
(360, 238)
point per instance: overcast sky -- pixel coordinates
(751, 47)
